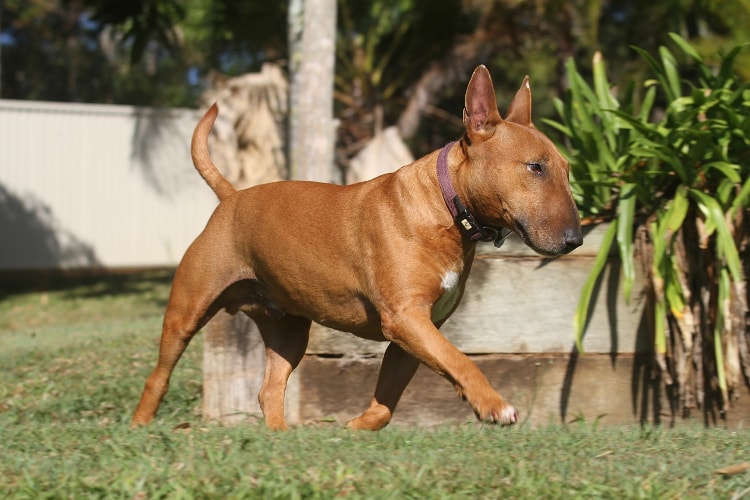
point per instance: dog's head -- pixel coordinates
(515, 177)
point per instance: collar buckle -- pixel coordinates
(466, 222)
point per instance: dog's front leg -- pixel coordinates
(415, 333)
(397, 369)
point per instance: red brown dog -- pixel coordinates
(385, 259)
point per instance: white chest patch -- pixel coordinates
(444, 305)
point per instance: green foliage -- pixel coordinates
(674, 182)
(141, 21)
(382, 49)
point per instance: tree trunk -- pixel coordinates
(312, 45)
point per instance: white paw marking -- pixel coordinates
(509, 415)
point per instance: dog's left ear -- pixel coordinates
(480, 109)
(519, 110)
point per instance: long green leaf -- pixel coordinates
(664, 262)
(673, 293)
(724, 287)
(724, 240)
(558, 126)
(658, 70)
(676, 212)
(647, 104)
(742, 200)
(660, 311)
(672, 77)
(660, 321)
(625, 231)
(601, 84)
(730, 170)
(648, 57)
(727, 63)
(686, 47)
(584, 303)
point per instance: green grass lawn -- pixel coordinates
(73, 358)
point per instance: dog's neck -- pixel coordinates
(463, 218)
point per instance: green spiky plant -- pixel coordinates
(674, 182)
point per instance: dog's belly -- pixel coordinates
(350, 313)
(362, 330)
(355, 315)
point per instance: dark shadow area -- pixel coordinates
(714, 410)
(657, 400)
(160, 149)
(33, 239)
(567, 387)
(645, 380)
(612, 267)
(610, 279)
(87, 283)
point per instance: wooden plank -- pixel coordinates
(527, 306)
(545, 389)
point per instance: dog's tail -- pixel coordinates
(202, 159)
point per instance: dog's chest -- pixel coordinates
(450, 284)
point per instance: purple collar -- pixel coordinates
(465, 221)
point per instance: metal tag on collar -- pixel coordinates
(466, 222)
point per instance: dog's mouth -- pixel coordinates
(520, 229)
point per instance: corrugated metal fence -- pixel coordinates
(97, 186)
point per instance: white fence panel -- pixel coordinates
(97, 186)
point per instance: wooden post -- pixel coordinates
(247, 145)
(233, 358)
(233, 363)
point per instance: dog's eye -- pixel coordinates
(535, 168)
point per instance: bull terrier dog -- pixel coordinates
(386, 259)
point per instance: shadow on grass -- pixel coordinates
(88, 284)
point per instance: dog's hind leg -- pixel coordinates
(286, 341)
(180, 325)
(182, 320)
(195, 297)
(396, 371)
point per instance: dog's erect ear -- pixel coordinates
(480, 109)
(519, 110)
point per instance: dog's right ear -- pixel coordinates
(480, 109)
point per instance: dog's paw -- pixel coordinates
(374, 418)
(506, 416)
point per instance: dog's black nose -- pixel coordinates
(573, 239)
